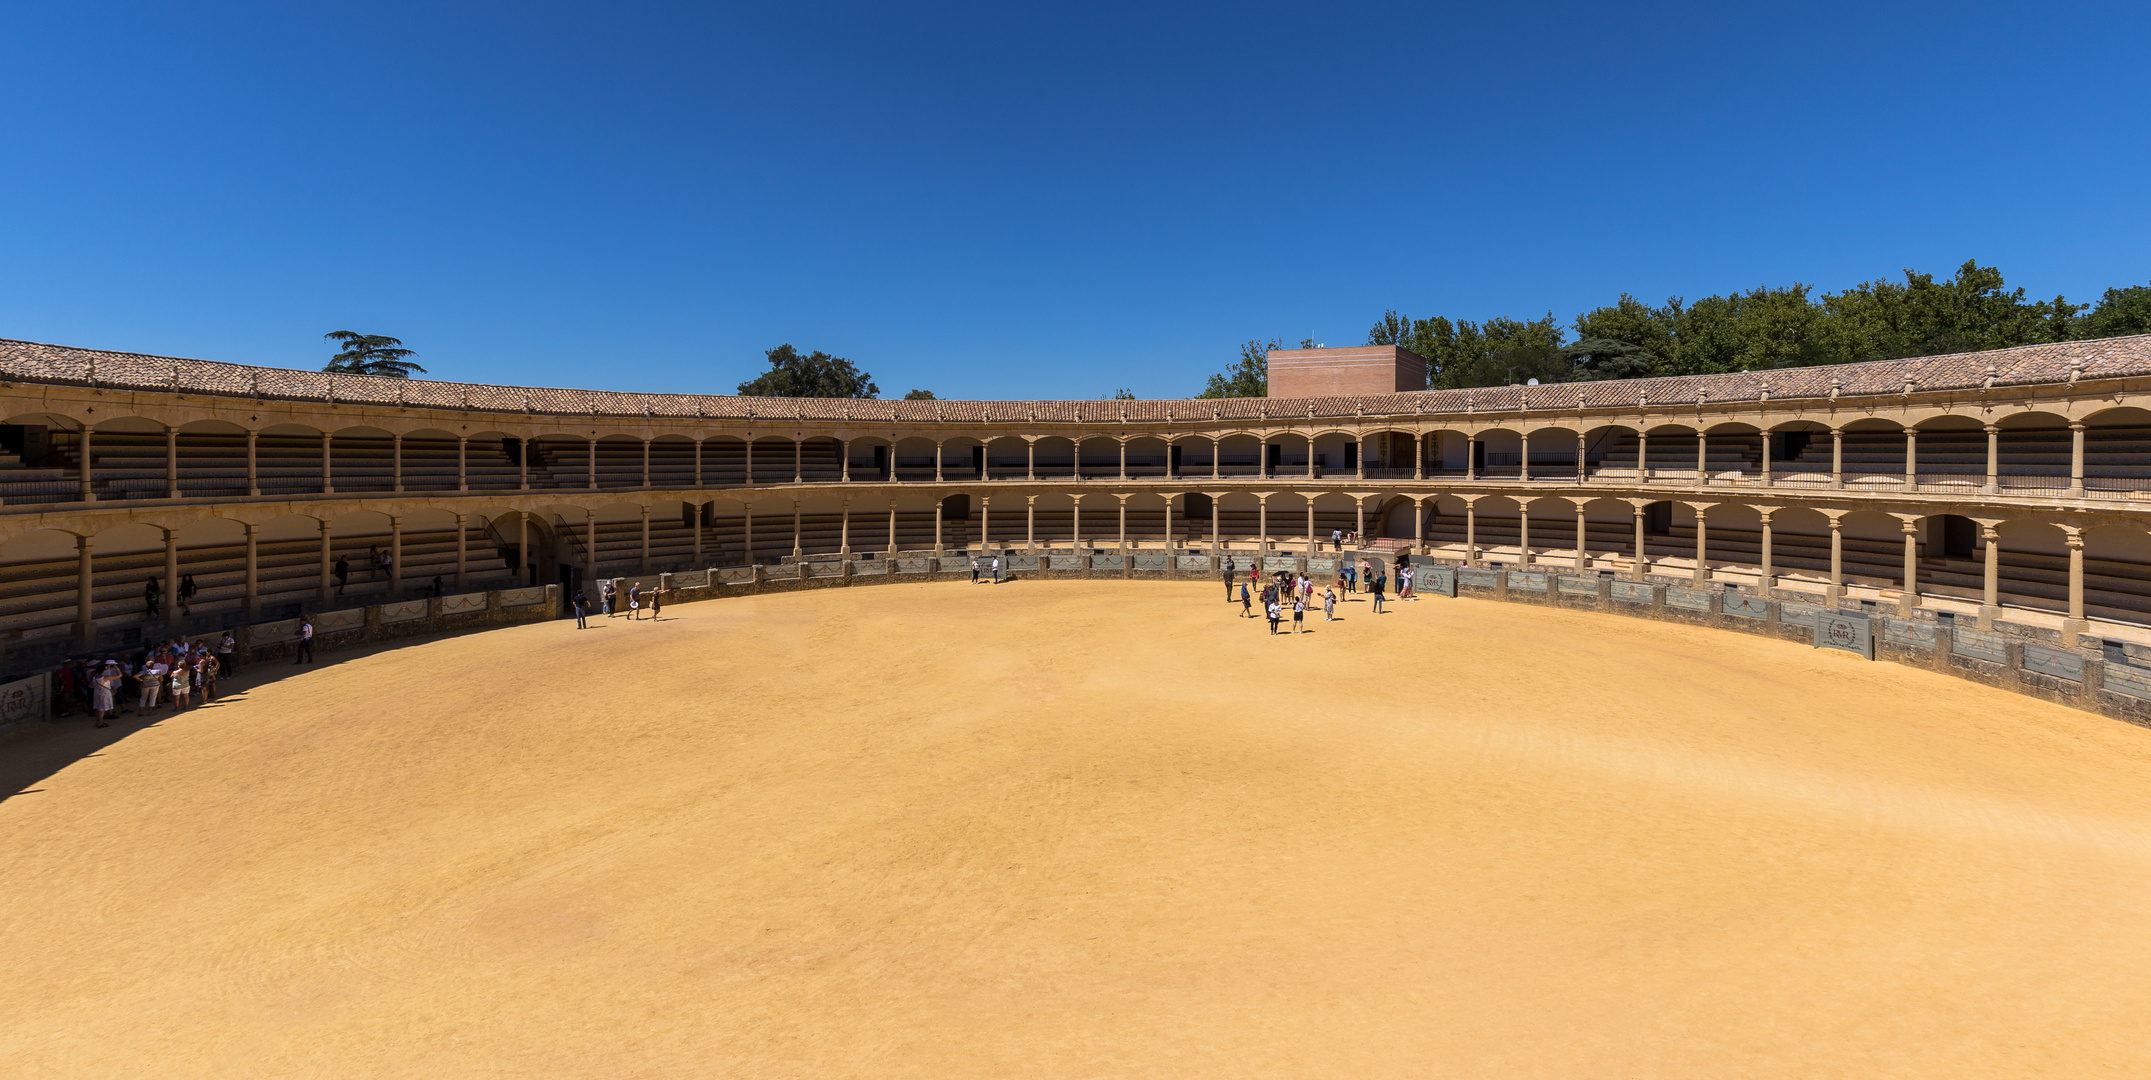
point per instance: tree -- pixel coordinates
(1123, 394)
(1248, 378)
(2119, 313)
(919, 395)
(371, 354)
(1605, 358)
(816, 375)
(1886, 320)
(1464, 353)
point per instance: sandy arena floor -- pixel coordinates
(1083, 830)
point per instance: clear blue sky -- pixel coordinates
(1016, 200)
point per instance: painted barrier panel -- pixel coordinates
(522, 597)
(825, 569)
(1145, 560)
(462, 603)
(1688, 599)
(26, 699)
(1020, 562)
(1908, 633)
(1576, 586)
(869, 567)
(275, 632)
(403, 612)
(735, 575)
(1065, 562)
(1322, 566)
(914, 566)
(2128, 679)
(1528, 580)
(1978, 644)
(1476, 577)
(1798, 614)
(1836, 630)
(689, 579)
(1115, 561)
(1193, 562)
(1438, 580)
(2057, 663)
(1280, 562)
(1633, 592)
(351, 618)
(1744, 605)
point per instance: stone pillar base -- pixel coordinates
(1987, 616)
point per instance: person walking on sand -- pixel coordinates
(182, 676)
(1381, 582)
(342, 573)
(305, 652)
(582, 611)
(1271, 608)
(101, 689)
(1231, 571)
(152, 680)
(1329, 605)
(974, 569)
(1247, 602)
(1299, 613)
(634, 602)
(225, 647)
(657, 600)
(997, 569)
(1366, 573)
(610, 595)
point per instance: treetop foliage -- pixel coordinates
(919, 395)
(371, 354)
(816, 374)
(1762, 328)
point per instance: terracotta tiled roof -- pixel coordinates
(29, 361)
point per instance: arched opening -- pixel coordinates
(1610, 452)
(1148, 457)
(2034, 451)
(1238, 454)
(2117, 451)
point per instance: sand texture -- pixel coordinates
(1091, 829)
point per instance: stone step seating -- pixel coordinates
(2116, 454)
(1670, 455)
(2114, 590)
(21, 484)
(41, 596)
(132, 466)
(565, 465)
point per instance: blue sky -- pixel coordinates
(1020, 200)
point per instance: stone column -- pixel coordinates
(646, 465)
(1837, 457)
(1216, 446)
(1639, 563)
(937, 479)
(328, 476)
(1360, 456)
(1909, 597)
(1359, 504)
(1030, 522)
(395, 461)
(525, 448)
(395, 557)
(1213, 523)
(1471, 457)
(1419, 456)
(328, 582)
(593, 462)
(1767, 580)
(171, 461)
(1123, 458)
(1030, 459)
(1123, 510)
(1471, 532)
(937, 512)
(250, 598)
(85, 494)
(1643, 457)
(696, 511)
(1262, 524)
(1991, 595)
(86, 591)
(171, 579)
(590, 554)
(253, 471)
(843, 462)
(799, 540)
(1994, 460)
(843, 531)
(1310, 458)
(1837, 557)
(463, 463)
(1419, 527)
(892, 529)
(2075, 623)
(698, 441)
(1702, 457)
(1702, 546)
(1523, 534)
(643, 566)
(1583, 558)
(1911, 459)
(985, 522)
(1767, 481)
(1076, 529)
(1523, 458)
(2076, 458)
(799, 462)
(463, 567)
(1310, 523)
(1582, 474)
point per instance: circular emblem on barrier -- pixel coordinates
(16, 704)
(1841, 633)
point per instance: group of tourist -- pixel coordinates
(1293, 593)
(995, 570)
(609, 595)
(172, 673)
